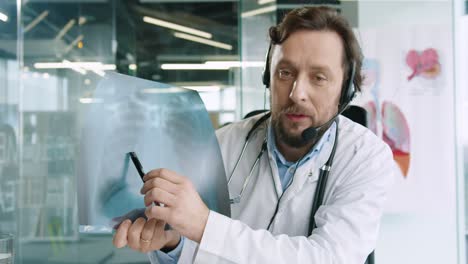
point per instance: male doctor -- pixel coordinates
(313, 69)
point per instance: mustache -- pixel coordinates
(294, 109)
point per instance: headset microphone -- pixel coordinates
(346, 98)
(311, 132)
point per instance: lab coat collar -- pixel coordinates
(312, 152)
(309, 170)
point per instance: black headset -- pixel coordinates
(347, 94)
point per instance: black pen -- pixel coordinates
(137, 164)
(139, 168)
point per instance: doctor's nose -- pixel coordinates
(299, 90)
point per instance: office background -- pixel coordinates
(53, 53)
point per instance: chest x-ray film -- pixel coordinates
(168, 127)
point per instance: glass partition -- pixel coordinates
(52, 55)
(255, 19)
(9, 118)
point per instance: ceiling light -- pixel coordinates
(87, 100)
(212, 65)
(259, 11)
(177, 27)
(192, 66)
(162, 90)
(65, 29)
(82, 20)
(36, 21)
(80, 67)
(99, 72)
(49, 65)
(203, 41)
(108, 67)
(233, 64)
(3, 17)
(262, 2)
(74, 67)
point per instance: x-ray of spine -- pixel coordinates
(166, 126)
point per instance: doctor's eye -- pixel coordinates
(319, 79)
(285, 74)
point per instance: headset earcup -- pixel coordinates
(266, 75)
(348, 95)
(266, 69)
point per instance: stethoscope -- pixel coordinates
(322, 180)
(237, 199)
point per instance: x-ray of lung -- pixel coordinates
(168, 127)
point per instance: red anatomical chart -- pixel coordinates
(395, 131)
(425, 64)
(386, 119)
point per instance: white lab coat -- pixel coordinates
(347, 222)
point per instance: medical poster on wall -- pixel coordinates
(408, 93)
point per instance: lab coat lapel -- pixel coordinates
(275, 175)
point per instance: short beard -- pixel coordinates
(295, 141)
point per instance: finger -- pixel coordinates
(161, 183)
(120, 237)
(132, 215)
(159, 235)
(160, 226)
(158, 212)
(160, 196)
(147, 235)
(134, 233)
(165, 174)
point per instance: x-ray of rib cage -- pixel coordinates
(167, 127)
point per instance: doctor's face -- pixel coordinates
(306, 80)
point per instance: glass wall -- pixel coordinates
(52, 55)
(255, 19)
(9, 116)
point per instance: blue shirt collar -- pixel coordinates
(271, 143)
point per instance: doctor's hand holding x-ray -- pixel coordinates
(313, 69)
(183, 209)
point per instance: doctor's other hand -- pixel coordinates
(184, 209)
(145, 235)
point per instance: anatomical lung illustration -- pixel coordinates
(384, 117)
(425, 64)
(395, 131)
